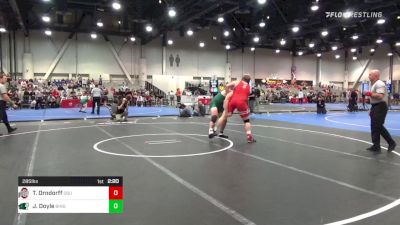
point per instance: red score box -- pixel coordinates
(115, 192)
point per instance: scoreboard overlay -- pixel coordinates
(70, 195)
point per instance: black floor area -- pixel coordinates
(293, 174)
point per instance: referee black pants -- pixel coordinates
(96, 101)
(378, 116)
(3, 114)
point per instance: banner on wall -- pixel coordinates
(214, 86)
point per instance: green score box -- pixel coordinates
(116, 207)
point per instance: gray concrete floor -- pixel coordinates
(287, 177)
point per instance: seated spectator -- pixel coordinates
(140, 101)
(199, 110)
(55, 93)
(33, 104)
(185, 111)
(122, 111)
(52, 101)
(39, 99)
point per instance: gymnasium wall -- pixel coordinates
(379, 61)
(93, 57)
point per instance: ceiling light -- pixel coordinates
(133, 39)
(314, 7)
(261, 2)
(2, 29)
(267, 17)
(234, 29)
(119, 21)
(171, 12)
(47, 32)
(116, 5)
(100, 24)
(311, 45)
(354, 57)
(220, 19)
(381, 21)
(337, 56)
(319, 54)
(170, 42)
(202, 44)
(46, 0)
(226, 33)
(300, 53)
(93, 35)
(227, 47)
(252, 49)
(214, 38)
(295, 29)
(149, 28)
(390, 54)
(262, 24)
(283, 42)
(354, 37)
(379, 41)
(353, 50)
(324, 33)
(344, 28)
(372, 50)
(46, 18)
(334, 48)
(397, 44)
(347, 14)
(189, 32)
(277, 51)
(398, 17)
(256, 39)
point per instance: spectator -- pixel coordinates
(178, 95)
(321, 105)
(171, 98)
(122, 110)
(300, 96)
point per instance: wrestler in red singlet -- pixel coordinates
(239, 101)
(240, 98)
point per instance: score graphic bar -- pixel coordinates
(70, 195)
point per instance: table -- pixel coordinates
(296, 100)
(73, 103)
(205, 100)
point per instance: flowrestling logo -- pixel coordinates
(353, 14)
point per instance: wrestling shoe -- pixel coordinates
(212, 134)
(250, 138)
(222, 135)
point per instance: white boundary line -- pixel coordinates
(367, 215)
(237, 216)
(95, 146)
(352, 219)
(298, 170)
(20, 218)
(342, 222)
(327, 118)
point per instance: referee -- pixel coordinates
(96, 94)
(4, 98)
(378, 112)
